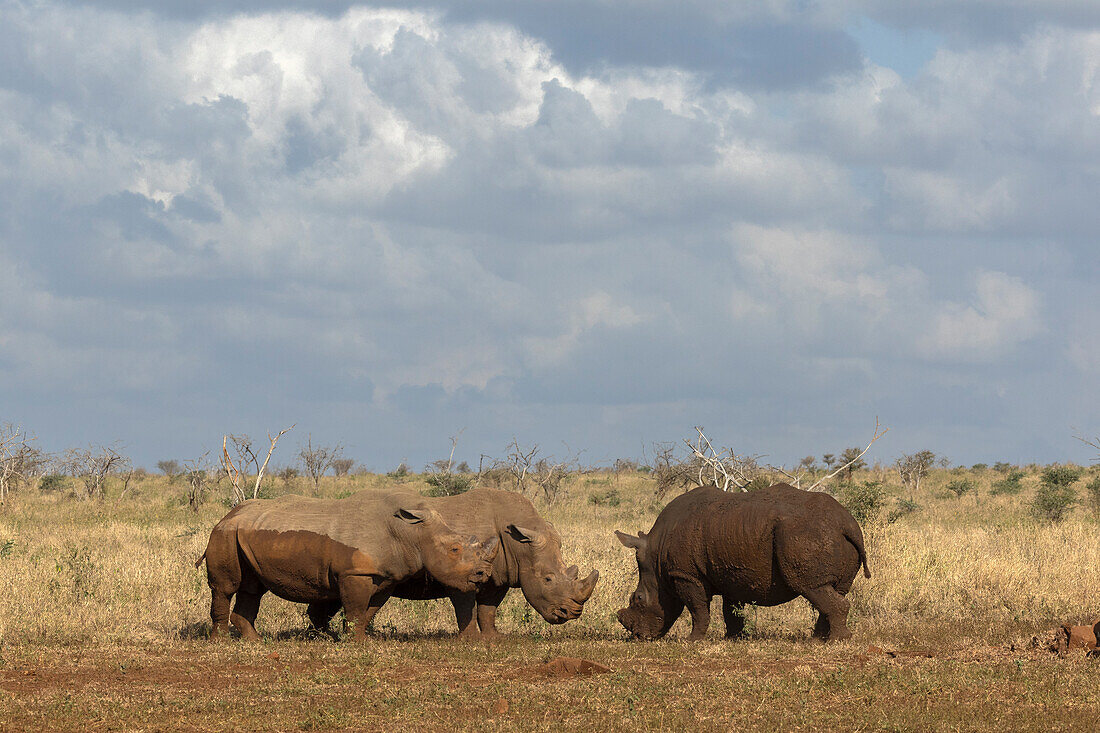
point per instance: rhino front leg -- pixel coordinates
(356, 592)
(321, 613)
(833, 608)
(695, 597)
(465, 604)
(487, 601)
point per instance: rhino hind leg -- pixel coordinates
(734, 616)
(245, 610)
(219, 613)
(832, 623)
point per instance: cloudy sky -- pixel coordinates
(588, 225)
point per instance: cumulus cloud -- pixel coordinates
(364, 216)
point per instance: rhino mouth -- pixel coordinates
(632, 622)
(566, 612)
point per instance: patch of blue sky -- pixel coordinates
(906, 51)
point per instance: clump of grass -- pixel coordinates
(1056, 494)
(960, 486)
(610, 497)
(902, 508)
(864, 500)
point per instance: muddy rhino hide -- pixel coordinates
(1084, 637)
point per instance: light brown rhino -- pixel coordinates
(530, 559)
(351, 552)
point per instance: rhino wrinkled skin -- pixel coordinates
(529, 559)
(764, 547)
(350, 552)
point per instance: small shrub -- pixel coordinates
(1002, 467)
(1055, 495)
(979, 467)
(400, 472)
(902, 508)
(52, 482)
(1092, 494)
(1010, 484)
(448, 484)
(760, 482)
(960, 486)
(864, 500)
(609, 497)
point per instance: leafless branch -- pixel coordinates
(878, 434)
(260, 473)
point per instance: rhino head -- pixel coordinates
(458, 562)
(552, 589)
(651, 611)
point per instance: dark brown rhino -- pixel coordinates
(764, 547)
(351, 552)
(530, 559)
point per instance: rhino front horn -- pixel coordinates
(586, 586)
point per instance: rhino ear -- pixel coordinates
(631, 541)
(522, 534)
(413, 516)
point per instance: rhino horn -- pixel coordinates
(571, 572)
(490, 549)
(586, 586)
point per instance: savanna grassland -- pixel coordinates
(103, 618)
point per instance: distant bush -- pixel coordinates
(448, 484)
(289, 473)
(864, 500)
(1092, 494)
(979, 467)
(610, 497)
(1010, 484)
(902, 508)
(52, 482)
(760, 482)
(960, 486)
(400, 472)
(1002, 467)
(1055, 495)
(170, 468)
(341, 466)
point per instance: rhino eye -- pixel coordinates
(548, 579)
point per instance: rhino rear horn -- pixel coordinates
(490, 549)
(571, 572)
(586, 586)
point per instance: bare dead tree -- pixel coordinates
(198, 474)
(669, 472)
(518, 463)
(341, 466)
(1091, 442)
(237, 472)
(318, 460)
(913, 468)
(17, 457)
(724, 468)
(549, 475)
(92, 465)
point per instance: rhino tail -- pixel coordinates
(201, 558)
(855, 535)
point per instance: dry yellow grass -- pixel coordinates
(970, 578)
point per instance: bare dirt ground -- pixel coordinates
(446, 684)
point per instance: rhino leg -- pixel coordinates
(487, 601)
(245, 610)
(358, 596)
(321, 613)
(464, 604)
(219, 613)
(734, 616)
(697, 600)
(821, 628)
(833, 607)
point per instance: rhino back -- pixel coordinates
(765, 546)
